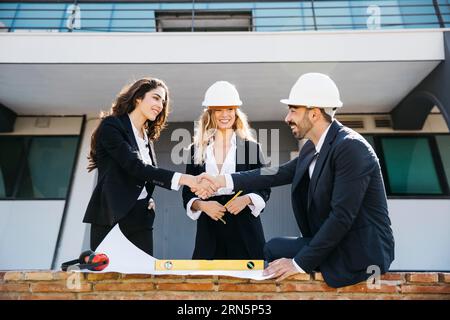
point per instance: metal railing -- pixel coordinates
(231, 16)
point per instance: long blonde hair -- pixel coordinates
(206, 128)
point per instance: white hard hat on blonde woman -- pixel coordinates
(221, 94)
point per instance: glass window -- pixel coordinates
(133, 17)
(287, 16)
(39, 16)
(7, 13)
(410, 166)
(48, 167)
(36, 167)
(443, 143)
(95, 17)
(12, 150)
(444, 9)
(370, 140)
(333, 15)
(418, 14)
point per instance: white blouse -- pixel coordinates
(144, 152)
(228, 167)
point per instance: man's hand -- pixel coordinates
(203, 189)
(280, 269)
(238, 204)
(212, 208)
(218, 181)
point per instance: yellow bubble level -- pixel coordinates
(237, 265)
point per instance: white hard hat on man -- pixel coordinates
(221, 94)
(315, 90)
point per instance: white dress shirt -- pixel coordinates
(230, 184)
(311, 171)
(318, 147)
(144, 152)
(228, 167)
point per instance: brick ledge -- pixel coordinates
(52, 285)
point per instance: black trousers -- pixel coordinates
(284, 247)
(137, 226)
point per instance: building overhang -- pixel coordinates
(80, 73)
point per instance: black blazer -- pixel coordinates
(248, 157)
(121, 173)
(345, 213)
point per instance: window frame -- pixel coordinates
(435, 156)
(24, 156)
(202, 15)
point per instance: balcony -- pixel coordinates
(204, 16)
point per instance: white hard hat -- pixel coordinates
(221, 93)
(315, 90)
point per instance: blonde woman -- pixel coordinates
(122, 152)
(224, 144)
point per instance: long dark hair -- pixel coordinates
(124, 103)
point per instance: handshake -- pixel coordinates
(203, 185)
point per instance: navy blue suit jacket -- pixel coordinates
(346, 214)
(121, 173)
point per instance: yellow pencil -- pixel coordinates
(234, 197)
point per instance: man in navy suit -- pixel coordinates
(337, 193)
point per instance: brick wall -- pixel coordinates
(62, 285)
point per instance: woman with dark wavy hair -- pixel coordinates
(122, 151)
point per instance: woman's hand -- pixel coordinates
(238, 204)
(212, 208)
(203, 188)
(219, 181)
